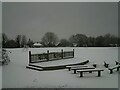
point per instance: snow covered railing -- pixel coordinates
(34, 58)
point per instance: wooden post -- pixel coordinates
(90, 71)
(117, 68)
(73, 53)
(29, 56)
(47, 54)
(81, 74)
(116, 63)
(95, 65)
(69, 68)
(75, 71)
(62, 53)
(99, 73)
(111, 71)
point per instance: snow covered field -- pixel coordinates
(16, 75)
(0, 77)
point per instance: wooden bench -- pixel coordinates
(114, 67)
(69, 67)
(90, 70)
(106, 64)
(81, 68)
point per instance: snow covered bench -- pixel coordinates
(69, 67)
(114, 67)
(81, 68)
(90, 70)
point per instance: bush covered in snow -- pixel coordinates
(5, 58)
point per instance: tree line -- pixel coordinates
(50, 39)
(19, 41)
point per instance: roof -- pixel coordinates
(37, 44)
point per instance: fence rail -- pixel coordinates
(34, 58)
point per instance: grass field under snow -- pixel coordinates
(16, 75)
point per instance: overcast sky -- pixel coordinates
(64, 19)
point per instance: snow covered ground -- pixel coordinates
(16, 75)
(0, 77)
(0, 70)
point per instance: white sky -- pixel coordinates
(64, 19)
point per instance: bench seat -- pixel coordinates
(80, 68)
(69, 67)
(90, 70)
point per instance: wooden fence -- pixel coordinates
(34, 58)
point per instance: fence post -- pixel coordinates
(29, 56)
(47, 54)
(62, 53)
(73, 52)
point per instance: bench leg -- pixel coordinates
(90, 71)
(111, 71)
(107, 65)
(81, 74)
(74, 71)
(117, 63)
(117, 68)
(95, 65)
(69, 69)
(99, 73)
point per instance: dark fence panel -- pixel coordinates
(68, 54)
(34, 58)
(38, 57)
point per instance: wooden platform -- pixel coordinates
(57, 66)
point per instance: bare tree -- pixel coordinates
(91, 41)
(79, 39)
(30, 43)
(18, 40)
(107, 39)
(0, 40)
(11, 44)
(64, 43)
(50, 39)
(99, 41)
(23, 41)
(4, 39)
